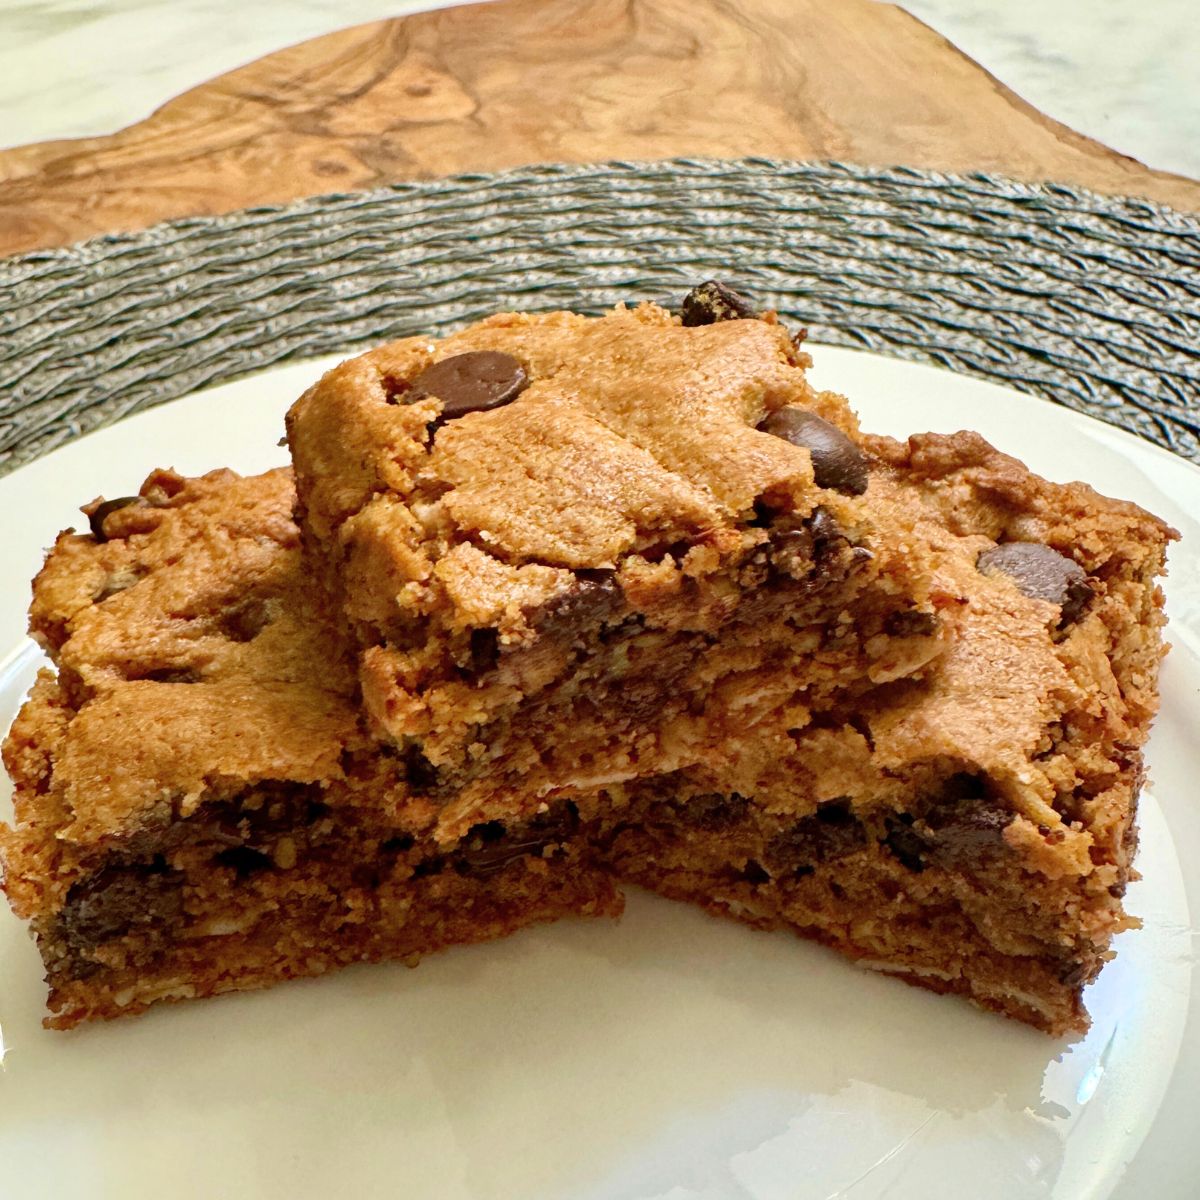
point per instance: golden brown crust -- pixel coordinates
(633, 433)
(189, 647)
(634, 451)
(632, 430)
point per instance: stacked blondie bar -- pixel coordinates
(557, 603)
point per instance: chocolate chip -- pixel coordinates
(910, 622)
(825, 530)
(473, 382)
(830, 833)
(837, 462)
(817, 553)
(904, 841)
(712, 302)
(834, 554)
(245, 860)
(484, 650)
(98, 516)
(1041, 573)
(792, 550)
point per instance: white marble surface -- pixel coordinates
(1126, 74)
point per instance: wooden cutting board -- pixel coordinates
(518, 81)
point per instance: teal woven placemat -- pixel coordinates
(1090, 301)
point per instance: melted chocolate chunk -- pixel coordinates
(713, 811)
(817, 552)
(98, 517)
(904, 841)
(832, 832)
(962, 828)
(1041, 573)
(119, 899)
(712, 302)
(837, 463)
(595, 597)
(966, 831)
(490, 847)
(825, 530)
(473, 382)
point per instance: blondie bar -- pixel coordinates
(198, 809)
(973, 831)
(651, 533)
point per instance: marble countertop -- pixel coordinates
(72, 68)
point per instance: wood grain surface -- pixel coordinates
(519, 81)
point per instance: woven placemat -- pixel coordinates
(1090, 301)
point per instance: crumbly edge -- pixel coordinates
(206, 574)
(309, 943)
(171, 896)
(932, 892)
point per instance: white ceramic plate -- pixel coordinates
(667, 1056)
